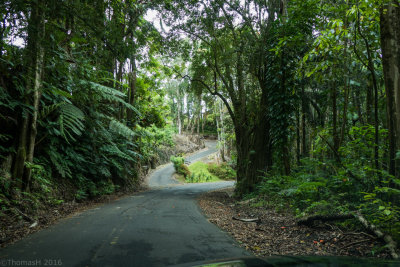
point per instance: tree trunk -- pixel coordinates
(28, 127)
(298, 137)
(368, 104)
(254, 148)
(204, 118)
(179, 122)
(304, 149)
(334, 119)
(219, 138)
(199, 112)
(19, 161)
(132, 89)
(242, 148)
(390, 43)
(222, 134)
(118, 86)
(33, 124)
(371, 68)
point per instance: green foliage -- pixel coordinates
(109, 94)
(317, 189)
(200, 173)
(71, 121)
(180, 167)
(121, 129)
(98, 110)
(380, 208)
(154, 140)
(199, 178)
(223, 171)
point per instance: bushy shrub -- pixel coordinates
(200, 174)
(316, 188)
(180, 167)
(222, 171)
(199, 178)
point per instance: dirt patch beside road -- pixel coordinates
(278, 234)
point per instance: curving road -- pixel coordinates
(160, 227)
(163, 177)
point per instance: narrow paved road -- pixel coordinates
(160, 227)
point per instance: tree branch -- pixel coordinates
(390, 243)
(212, 92)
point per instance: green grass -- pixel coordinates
(200, 173)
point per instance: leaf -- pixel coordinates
(33, 225)
(121, 128)
(387, 212)
(352, 82)
(111, 94)
(71, 121)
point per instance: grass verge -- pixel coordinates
(200, 174)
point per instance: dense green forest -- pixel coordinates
(303, 96)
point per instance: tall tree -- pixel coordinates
(32, 94)
(390, 42)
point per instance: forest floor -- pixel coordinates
(277, 233)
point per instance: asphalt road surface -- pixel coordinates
(159, 227)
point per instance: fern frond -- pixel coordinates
(113, 150)
(59, 163)
(104, 171)
(71, 121)
(121, 128)
(116, 164)
(112, 95)
(133, 154)
(47, 110)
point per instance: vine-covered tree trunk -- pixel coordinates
(390, 43)
(243, 148)
(254, 149)
(28, 124)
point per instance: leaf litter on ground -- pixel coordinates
(277, 233)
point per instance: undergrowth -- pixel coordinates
(200, 173)
(323, 187)
(223, 171)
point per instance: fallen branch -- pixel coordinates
(247, 201)
(256, 220)
(324, 218)
(361, 233)
(219, 203)
(24, 215)
(354, 243)
(390, 243)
